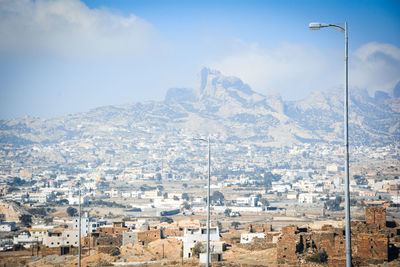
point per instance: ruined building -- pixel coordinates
(373, 241)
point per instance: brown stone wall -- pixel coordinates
(105, 249)
(146, 237)
(376, 215)
(173, 232)
(108, 241)
(45, 251)
(371, 247)
(259, 228)
(289, 244)
(112, 230)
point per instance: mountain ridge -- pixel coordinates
(226, 106)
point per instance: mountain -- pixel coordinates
(226, 107)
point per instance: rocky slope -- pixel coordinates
(226, 107)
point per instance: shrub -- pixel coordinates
(197, 249)
(115, 252)
(318, 257)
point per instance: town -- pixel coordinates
(290, 213)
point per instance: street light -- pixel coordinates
(208, 196)
(79, 229)
(317, 26)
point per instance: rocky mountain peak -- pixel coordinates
(212, 85)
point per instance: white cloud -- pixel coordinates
(291, 70)
(295, 70)
(69, 28)
(375, 66)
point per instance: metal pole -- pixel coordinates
(79, 227)
(346, 140)
(208, 203)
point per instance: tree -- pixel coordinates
(38, 212)
(227, 212)
(217, 198)
(186, 205)
(160, 187)
(165, 195)
(115, 252)
(264, 202)
(235, 225)
(176, 198)
(197, 249)
(185, 196)
(26, 219)
(185, 185)
(71, 211)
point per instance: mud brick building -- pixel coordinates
(117, 228)
(141, 237)
(376, 215)
(259, 228)
(173, 231)
(373, 241)
(101, 242)
(105, 239)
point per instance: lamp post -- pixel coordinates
(79, 229)
(208, 197)
(317, 26)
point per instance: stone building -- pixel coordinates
(142, 237)
(101, 242)
(372, 241)
(117, 228)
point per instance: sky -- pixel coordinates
(66, 56)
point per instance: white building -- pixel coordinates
(39, 230)
(26, 240)
(61, 238)
(8, 226)
(307, 198)
(248, 237)
(193, 235)
(280, 187)
(247, 201)
(292, 195)
(88, 225)
(38, 197)
(74, 200)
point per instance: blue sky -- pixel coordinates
(66, 56)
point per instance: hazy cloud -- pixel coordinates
(58, 57)
(294, 70)
(376, 66)
(69, 28)
(291, 70)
